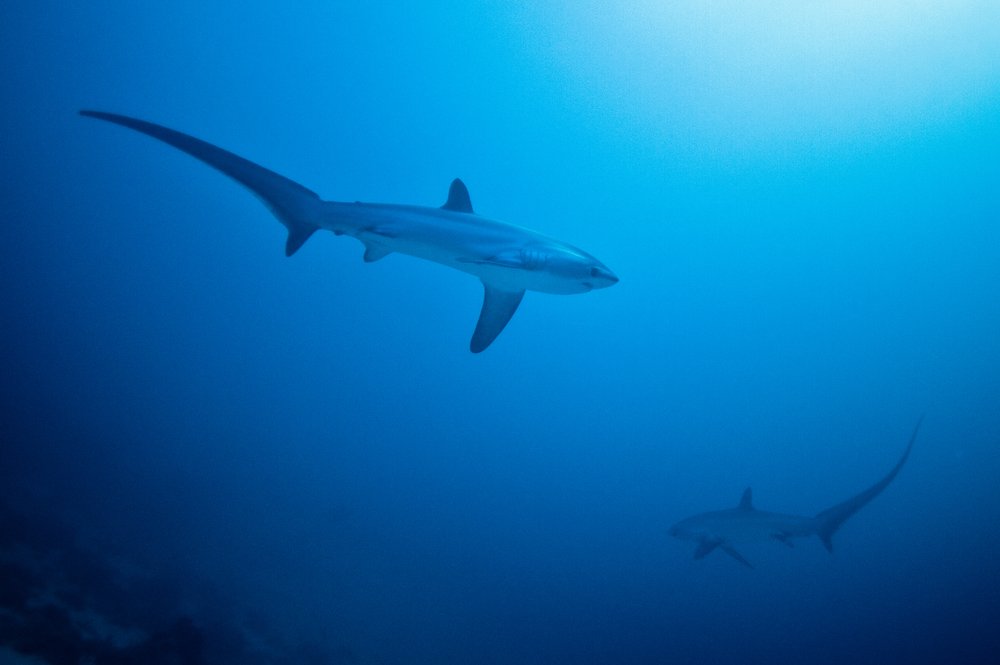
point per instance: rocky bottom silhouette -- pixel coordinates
(64, 605)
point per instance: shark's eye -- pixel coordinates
(595, 272)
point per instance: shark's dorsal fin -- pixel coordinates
(458, 198)
(746, 501)
(498, 307)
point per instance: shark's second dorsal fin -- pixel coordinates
(746, 501)
(458, 198)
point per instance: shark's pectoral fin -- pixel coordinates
(375, 252)
(705, 547)
(731, 551)
(498, 307)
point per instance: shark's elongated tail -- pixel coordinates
(828, 521)
(295, 206)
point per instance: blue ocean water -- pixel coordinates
(212, 453)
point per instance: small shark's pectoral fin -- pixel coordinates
(458, 198)
(375, 252)
(498, 307)
(705, 547)
(783, 538)
(731, 551)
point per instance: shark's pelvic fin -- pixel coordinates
(458, 198)
(746, 501)
(291, 203)
(498, 307)
(375, 252)
(828, 521)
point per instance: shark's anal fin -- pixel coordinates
(731, 551)
(458, 198)
(498, 307)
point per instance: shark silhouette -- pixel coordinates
(744, 523)
(508, 259)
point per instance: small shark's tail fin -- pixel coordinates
(294, 205)
(828, 521)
